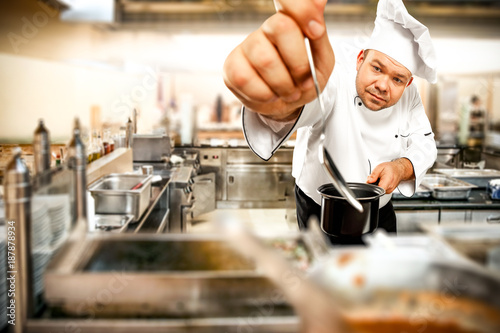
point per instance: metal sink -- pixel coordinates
(158, 276)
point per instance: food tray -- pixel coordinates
(113, 194)
(477, 177)
(444, 187)
(108, 222)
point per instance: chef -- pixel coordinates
(376, 126)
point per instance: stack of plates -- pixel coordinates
(60, 216)
(41, 238)
(40, 260)
(41, 234)
(3, 278)
(50, 221)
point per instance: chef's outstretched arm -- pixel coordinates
(269, 71)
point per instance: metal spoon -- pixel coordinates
(324, 157)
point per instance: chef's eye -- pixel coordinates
(398, 80)
(375, 68)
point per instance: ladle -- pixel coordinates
(324, 157)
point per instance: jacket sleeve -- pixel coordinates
(264, 136)
(420, 148)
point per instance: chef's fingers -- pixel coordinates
(243, 80)
(386, 175)
(285, 34)
(308, 13)
(247, 85)
(266, 58)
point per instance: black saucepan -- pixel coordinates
(340, 219)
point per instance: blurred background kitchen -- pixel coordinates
(144, 80)
(100, 60)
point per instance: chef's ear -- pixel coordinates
(409, 82)
(360, 59)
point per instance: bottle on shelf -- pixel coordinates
(41, 152)
(111, 143)
(77, 161)
(94, 147)
(129, 134)
(100, 145)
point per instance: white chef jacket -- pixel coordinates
(357, 138)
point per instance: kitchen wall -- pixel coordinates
(58, 70)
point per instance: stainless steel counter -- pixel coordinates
(162, 283)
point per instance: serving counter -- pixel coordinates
(478, 199)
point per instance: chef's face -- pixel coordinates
(381, 80)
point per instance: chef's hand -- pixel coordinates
(269, 71)
(390, 174)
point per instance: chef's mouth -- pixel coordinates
(376, 97)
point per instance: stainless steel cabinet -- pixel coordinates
(243, 180)
(485, 216)
(257, 182)
(408, 221)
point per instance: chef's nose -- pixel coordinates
(382, 83)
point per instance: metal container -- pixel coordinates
(113, 194)
(162, 276)
(18, 263)
(394, 285)
(41, 153)
(77, 162)
(110, 222)
(472, 241)
(340, 219)
(477, 177)
(151, 148)
(447, 188)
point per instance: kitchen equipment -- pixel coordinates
(160, 276)
(181, 200)
(138, 186)
(147, 169)
(110, 222)
(41, 152)
(478, 177)
(472, 241)
(151, 148)
(18, 198)
(113, 195)
(129, 134)
(77, 162)
(447, 188)
(402, 290)
(340, 219)
(324, 157)
(494, 189)
(318, 311)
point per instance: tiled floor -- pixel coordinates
(261, 221)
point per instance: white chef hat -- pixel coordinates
(400, 36)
